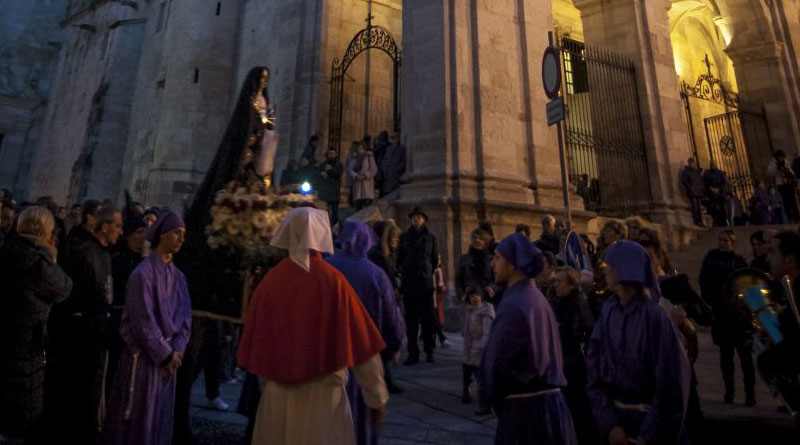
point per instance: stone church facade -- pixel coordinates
(143, 91)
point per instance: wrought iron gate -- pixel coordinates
(372, 36)
(737, 140)
(605, 144)
(739, 143)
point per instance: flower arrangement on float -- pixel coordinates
(246, 220)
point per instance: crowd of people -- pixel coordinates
(561, 350)
(372, 170)
(774, 199)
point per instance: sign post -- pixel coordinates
(551, 80)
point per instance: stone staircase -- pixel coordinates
(690, 257)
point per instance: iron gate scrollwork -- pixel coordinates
(739, 143)
(371, 37)
(604, 137)
(737, 139)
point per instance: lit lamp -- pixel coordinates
(305, 188)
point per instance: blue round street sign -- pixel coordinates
(551, 72)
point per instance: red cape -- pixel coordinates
(302, 325)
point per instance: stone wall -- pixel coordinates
(85, 129)
(30, 38)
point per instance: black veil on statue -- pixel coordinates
(212, 275)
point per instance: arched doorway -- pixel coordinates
(371, 37)
(721, 128)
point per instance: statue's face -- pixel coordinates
(264, 80)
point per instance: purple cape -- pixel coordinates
(635, 357)
(155, 322)
(523, 356)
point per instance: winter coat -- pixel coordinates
(474, 269)
(89, 267)
(32, 282)
(477, 324)
(549, 243)
(714, 273)
(364, 186)
(330, 186)
(692, 182)
(417, 258)
(575, 324)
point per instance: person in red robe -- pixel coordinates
(304, 328)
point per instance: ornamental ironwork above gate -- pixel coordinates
(708, 87)
(371, 37)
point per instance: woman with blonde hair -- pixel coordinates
(32, 282)
(384, 254)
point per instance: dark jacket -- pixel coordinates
(474, 268)
(330, 187)
(89, 266)
(717, 267)
(417, 258)
(77, 236)
(575, 323)
(692, 182)
(549, 243)
(717, 179)
(32, 282)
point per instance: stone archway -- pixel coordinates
(763, 52)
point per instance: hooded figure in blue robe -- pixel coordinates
(638, 372)
(375, 291)
(522, 369)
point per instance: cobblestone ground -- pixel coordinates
(430, 410)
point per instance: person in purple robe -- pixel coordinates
(522, 369)
(155, 328)
(638, 374)
(377, 294)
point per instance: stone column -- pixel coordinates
(474, 118)
(639, 30)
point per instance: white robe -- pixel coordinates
(316, 412)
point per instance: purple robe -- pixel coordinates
(155, 322)
(635, 361)
(377, 294)
(523, 358)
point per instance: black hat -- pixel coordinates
(418, 211)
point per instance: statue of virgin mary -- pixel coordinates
(231, 218)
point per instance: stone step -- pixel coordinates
(689, 258)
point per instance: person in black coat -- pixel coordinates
(330, 186)
(475, 268)
(692, 183)
(417, 258)
(549, 241)
(32, 283)
(80, 332)
(575, 323)
(760, 252)
(80, 233)
(726, 332)
(717, 190)
(124, 261)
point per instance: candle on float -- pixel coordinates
(266, 156)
